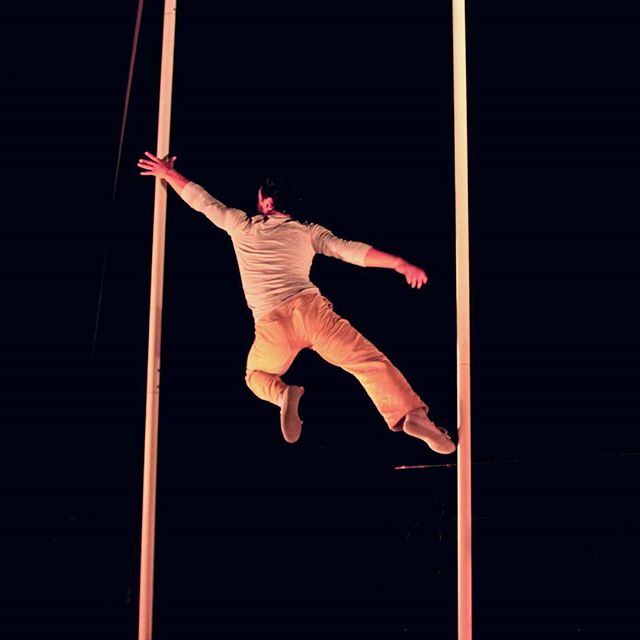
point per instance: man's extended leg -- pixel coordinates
(338, 342)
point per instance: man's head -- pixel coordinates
(279, 194)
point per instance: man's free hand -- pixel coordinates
(415, 276)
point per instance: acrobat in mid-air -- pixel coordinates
(274, 252)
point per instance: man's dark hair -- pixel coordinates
(286, 193)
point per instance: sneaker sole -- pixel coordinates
(290, 422)
(435, 441)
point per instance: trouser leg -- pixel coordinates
(270, 356)
(266, 386)
(339, 343)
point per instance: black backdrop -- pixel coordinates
(325, 536)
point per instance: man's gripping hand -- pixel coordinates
(162, 168)
(154, 166)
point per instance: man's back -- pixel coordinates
(274, 252)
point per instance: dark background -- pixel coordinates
(324, 537)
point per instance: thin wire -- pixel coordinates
(451, 465)
(132, 62)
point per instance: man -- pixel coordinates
(274, 253)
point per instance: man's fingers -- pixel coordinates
(148, 153)
(415, 278)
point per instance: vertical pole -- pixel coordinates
(463, 320)
(155, 323)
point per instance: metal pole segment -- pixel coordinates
(463, 322)
(155, 324)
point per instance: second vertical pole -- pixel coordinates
(463, 321)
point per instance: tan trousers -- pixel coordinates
(308, 321)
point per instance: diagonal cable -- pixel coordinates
(132, 62)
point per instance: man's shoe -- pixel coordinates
(290, 422)
(418, 425)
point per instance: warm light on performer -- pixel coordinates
(275, 252)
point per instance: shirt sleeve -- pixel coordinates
(327, 244)
(223, 217)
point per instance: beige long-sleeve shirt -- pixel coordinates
(274, 253)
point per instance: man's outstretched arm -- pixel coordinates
(415, 276)
(193, 194)
(364, 255)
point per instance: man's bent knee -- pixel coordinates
(247, 377)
